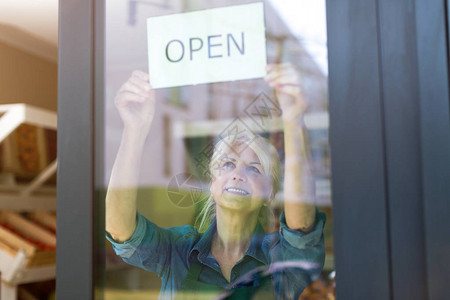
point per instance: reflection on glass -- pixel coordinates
(214, 187)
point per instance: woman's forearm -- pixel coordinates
(135, 102)
(298, 181)
(121, 196)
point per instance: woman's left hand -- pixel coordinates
(286, 82)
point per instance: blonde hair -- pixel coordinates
(270, 162)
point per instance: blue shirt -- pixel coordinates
(294, 259)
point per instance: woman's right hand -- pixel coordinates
(135, 102)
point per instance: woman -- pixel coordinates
(234, 254)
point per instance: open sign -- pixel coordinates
(214, 45)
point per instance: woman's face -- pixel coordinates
(239, 181)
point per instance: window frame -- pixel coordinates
(397, 201)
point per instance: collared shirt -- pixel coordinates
(297, 258)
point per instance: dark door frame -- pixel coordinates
(389, 137)
(390, 145)
(80, 223)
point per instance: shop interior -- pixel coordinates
(28, 120)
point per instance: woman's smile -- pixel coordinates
(237, 191)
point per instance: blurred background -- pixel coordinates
(28, 108)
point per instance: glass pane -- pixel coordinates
(226, 162)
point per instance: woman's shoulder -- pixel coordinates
(151, 232)
(185, 232)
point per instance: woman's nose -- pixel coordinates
(239, 174)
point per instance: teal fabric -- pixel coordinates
(191, 285)
(290, 258)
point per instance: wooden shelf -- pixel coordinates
(32, 195)
(14, 272)
(23, 258)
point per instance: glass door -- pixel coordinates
(216, 111)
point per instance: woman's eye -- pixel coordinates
(227, 164)
(255, 169)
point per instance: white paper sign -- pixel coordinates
(214, 45)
